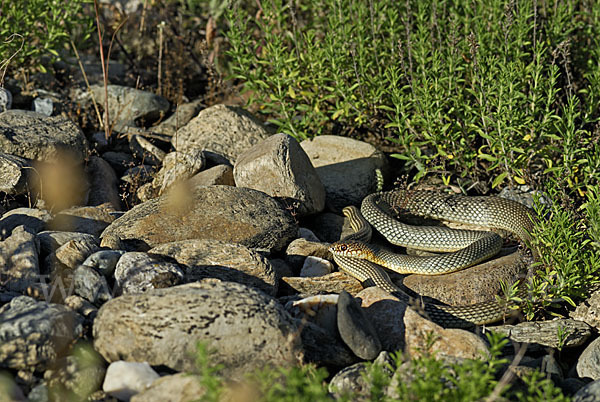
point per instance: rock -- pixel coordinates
(145, 151)
(104, 184)
(315, 266)
(356, 329)
(244, 327)
(77, 376)
(387, 316)
(351, 380)
(127, 105)
(146, 192)
(332, 283)
(104, 261)
(321, 310)
(92, 220)
(182, 115)
(178, 166)
(230, 214)
(547, 333)
(51, 240)
(82, 307)
(279, 167)
(588, 364)
(34, 136)
(589, 311)
(43, 105)
(138, 272)
(216, 175)
(125, 379)
(225, 261)
(180, 387)
(74, 252)
(91, 285)
(34, 333)
(19, 265)
(119, 161)
(5, 99)
(32, 218)
(588, 393)
(299, 249)
(225, 130)
(322, 348)
(476, 284)
(346, 168)
(15, 173)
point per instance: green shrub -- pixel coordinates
(33, 29)
(480, 91)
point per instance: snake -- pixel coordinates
(464, 248)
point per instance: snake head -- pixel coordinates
(347, 248)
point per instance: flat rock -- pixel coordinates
(32, 218)
(14, 174)
(104, 184)
(34, 333)
(332, 283)
(19, 265)
(356, 329)
(546, 333)
(92, 220)
(226, 261)
(346, 168)
(231, 214)
(137, 272)
(75, 252)
(279, 167)
(224, 130)
(180, 387)
(50, 240)
(472, 285)
(245, 328)
(127, 105)
(37, 137)
(220, 174)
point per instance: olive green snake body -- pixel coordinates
(464, 248)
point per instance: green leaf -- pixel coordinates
(499, 179)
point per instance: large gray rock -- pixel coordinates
(279, 167)
(137, 272)
(224, 130)
(126, 105)
(244, 328)
(182, 115)
(226, 261)
(104, 184)
(14, 174)
(178, 166)
(34, 136)
(346, 168)
(237, 215)
(34, 334)
(588, 364)
(19, 265)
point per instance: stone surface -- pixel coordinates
(356, 329)
(92, 220)
(50, 240)
(34, 136)
(216, 175)
(226, 261)
(546, 333)
(181, 387)
(129, 105)
(104, 184)
(332, 283)
(351, 380)
(315, 266)
(224, 213)
(125, 379)
(387, 316)
(346, 168)
(119, 161)
(279, 167)
(137, 272)
(35, 334)
(104, 261)
(299, 249)
(589, 311)
(15, 173)
(588, 393)
(588, 364)
(178, 166)
(323, 348)
(246, 328)
(5, 99)
(224, 130)
(91, 285)
(19, 265)
(182, 115)
(31, 218)
(74, 252)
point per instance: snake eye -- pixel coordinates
(343, 247)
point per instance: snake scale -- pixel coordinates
(464, 248)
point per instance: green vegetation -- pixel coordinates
(488, 93)
(421, 378)
(33, 32)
